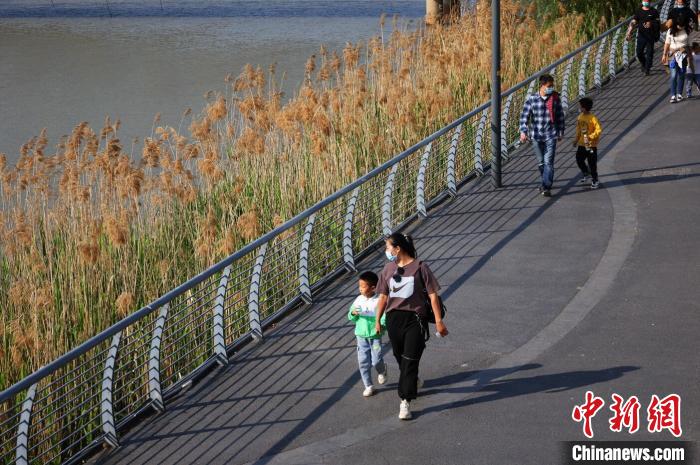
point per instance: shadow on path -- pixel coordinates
(503, 389)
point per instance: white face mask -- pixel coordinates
(391, 258)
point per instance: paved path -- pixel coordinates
(547, 298)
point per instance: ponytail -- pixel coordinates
(404, 242)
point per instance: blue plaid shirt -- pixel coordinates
(543, 128)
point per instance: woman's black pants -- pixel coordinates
(407, 342)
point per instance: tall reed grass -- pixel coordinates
(96, 228)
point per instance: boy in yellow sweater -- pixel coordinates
(588, 131)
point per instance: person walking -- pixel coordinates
(648, 25)
(404, 285)
(588, 131)
(694, 6)
(369, 342)
(694, 78)
(547, 114)
(680, 8)
(677, 55)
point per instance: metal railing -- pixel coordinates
(85, 398)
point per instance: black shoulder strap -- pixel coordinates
(420, 276)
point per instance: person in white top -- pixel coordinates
(362, 312)
(695, 77)
(677, 53)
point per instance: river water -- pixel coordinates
(66, 61)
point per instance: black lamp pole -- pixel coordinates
(496, 93)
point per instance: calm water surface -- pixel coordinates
(69, 62)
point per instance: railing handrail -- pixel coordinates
(108, 333)
(563, 59)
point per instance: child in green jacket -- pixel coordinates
(369, 343)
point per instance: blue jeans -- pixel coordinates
(693, 79)
(369, 354)
(677, 80)
(545, 150)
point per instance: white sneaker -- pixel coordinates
(368, 392)
(673, 99)
(584, 180)
(405, 410)
(679, 97)
(381, 377)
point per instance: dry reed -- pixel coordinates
(91, 232)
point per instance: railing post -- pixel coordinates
(22, 448)
(582, 88)
(304, 287)
(451, 162)
(504, 126)
(254, 295)
(348, 255)
(612, 58)
(218, 322)
(565, 85)
(420, 181)
(479, 142)
(386, 202)
(530, 90)
(155, 392)
(107, 405)
(597, 78)
(663, 15)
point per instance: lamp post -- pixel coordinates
(496, 93)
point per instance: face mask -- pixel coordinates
(549, 91)
(391, 258)
(645, 4)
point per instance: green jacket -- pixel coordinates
(365, 322)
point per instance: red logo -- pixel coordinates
(587, 411)
(665, 414)
(625, 414)
(662, 414)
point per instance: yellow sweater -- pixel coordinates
(588, 124)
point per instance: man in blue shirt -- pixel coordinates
(548, 122)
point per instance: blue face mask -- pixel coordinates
(646, 4)
(391, 258)
(549, 91)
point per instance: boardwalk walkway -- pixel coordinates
(547, 298)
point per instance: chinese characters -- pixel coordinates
(662, 414)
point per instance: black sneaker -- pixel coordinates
(546, 193)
